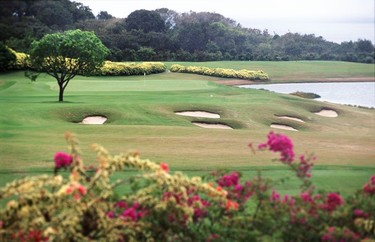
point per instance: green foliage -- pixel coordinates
(129, 69)
(12, 60)
(69, 53)
(6, 58)
(159, 206)
(64, 55)
(144, 20)
(23, 21)
(193, 36)
(221, 72)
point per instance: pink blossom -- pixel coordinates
(62, 160)
(125, 211)
(289, 200)
(304, 167)
(130, 213)
(333, 200)
(275, 196)
(369, 187)
(228, 180)
(121, 204)
(110, 214)
(305, 196)
(238, 188)
(280, 143)
(360, 213)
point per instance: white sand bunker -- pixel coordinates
(291, 118)
(327, 113)
(282, 126)
(94, 120)
(212, 126)
(199, 114)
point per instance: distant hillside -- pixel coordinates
(164, 34)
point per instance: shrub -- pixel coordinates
(155, 205)
(12, 60)
(6, 58)
(220, 72)
(22, 61)
(127, 69)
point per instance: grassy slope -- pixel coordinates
(140, 112)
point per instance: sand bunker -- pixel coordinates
(212, 126)
(328, 113)
(282, 126)
(199, 114)
(291, 118)
(94, 120)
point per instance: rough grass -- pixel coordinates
(140, 113)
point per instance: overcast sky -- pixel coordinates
(335, 20)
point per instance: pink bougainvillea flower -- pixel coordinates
(304, 167)
(229, 180)
(275, 196)
(62, 160)
(369, 187)
(280, 143)
(164, 167)
(332, 201)
(360, 213)
(305, 196)
(110, 214)
(130, 213)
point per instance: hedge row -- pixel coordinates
(220, 72)
(108, 69)
(128, 69)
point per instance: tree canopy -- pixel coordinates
(145, 20)
(64, 55)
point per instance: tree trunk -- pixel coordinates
(61, 93)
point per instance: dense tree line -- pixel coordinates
(164, 34)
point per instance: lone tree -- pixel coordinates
(64, 55)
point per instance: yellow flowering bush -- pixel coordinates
(221, 72)
(21, 62)
(127, 69)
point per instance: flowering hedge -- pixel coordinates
(220, 72)
(155, 205)
(108, 69)
(128, 69)
(21, 62)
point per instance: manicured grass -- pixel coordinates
(297, 71)
(141, 117)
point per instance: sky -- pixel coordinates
(334, 20)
